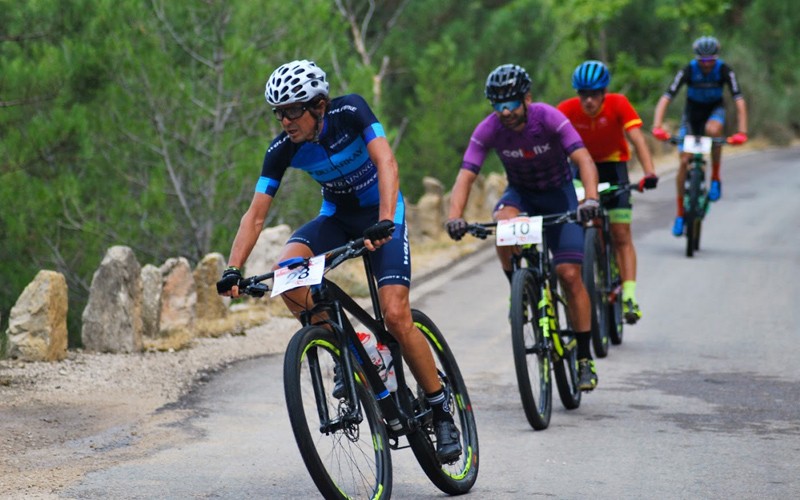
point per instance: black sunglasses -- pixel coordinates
(292, 113)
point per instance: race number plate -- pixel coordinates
(519, 231)
(696, 144)
(288, 278)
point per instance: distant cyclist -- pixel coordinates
(604, 120)
(705, 78)
(341, 144)
(533, 141)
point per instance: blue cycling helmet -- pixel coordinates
(507, 82)
(591, 75)
(706, 46)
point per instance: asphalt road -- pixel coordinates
(699, 401)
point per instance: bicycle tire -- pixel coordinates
(458, 477)
(595, 283)
(565, 368)
(353, 461)
(531, 354)
(616, 321)
(691, 212)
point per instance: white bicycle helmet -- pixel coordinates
(296, 81)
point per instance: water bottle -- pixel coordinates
(380, 359)
(388, 375)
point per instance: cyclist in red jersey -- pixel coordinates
(603, 121)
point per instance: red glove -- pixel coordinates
(737, 138)
(660, 134)
(648, 182)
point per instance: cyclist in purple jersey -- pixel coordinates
(535, 142)
(342, 146)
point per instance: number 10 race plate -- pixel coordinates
(519, 231)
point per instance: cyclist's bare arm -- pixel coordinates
(661, 109)
(250, 227)
(460, 193)
(636, 136)
(588, 171)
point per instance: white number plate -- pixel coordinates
(696, 144)
(519, 231)
(288, 278)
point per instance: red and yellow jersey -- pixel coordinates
(604, 134)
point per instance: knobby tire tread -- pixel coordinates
(314, 349)
(459, 477)
(536, 393)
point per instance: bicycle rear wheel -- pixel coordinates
(614, 314)
(458, 477)
(565, 368)
(531, 356)
(346, 457)
(594, 280)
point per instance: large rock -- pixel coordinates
(430, 213)
(152, 284)
(267, 250)
(37, 324)
(210, 305)
(112, 319)
(178, 296)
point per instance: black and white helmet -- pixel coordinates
(506, 82)
(296, 81)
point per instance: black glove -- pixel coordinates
(588, 210)
(456, 228)
(648, 182)
(379, 231)
(231, 277)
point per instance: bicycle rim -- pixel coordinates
(614, 316)
(594, 280)
(565, 368)
(458, 477)
(351, 460)
(531, 355)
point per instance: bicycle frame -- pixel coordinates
(335, 304)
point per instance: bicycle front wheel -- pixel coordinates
(531, 356)
(343, 443)
(692, 213)
(458, 477)
(595, 281)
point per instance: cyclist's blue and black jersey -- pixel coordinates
(704, 94)
(341, 164)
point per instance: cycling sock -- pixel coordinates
(715, 171)
(508, 274)
(629, 290)
(440, 404)
(584, 344)
(680, 206)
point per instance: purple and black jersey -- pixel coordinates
(535, 158)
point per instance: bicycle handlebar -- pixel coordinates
(714, 140)
(254, 287)
(482, 230)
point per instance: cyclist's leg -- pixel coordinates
(509, 206)
(392, 267)
(314, 237)
(714, 128)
